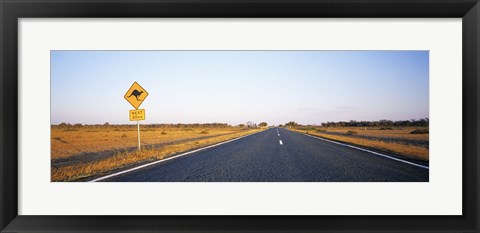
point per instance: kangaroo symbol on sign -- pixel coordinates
(136, 93)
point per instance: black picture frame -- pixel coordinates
(11, 11)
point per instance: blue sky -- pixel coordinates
(309, 87)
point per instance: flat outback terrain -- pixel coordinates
(290, 153)
(411, 142)
(79, 152)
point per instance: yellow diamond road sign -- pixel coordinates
(136, 95)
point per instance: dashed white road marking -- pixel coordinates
(176, 156)
(279, 135)
(280, 141)
(373, 152)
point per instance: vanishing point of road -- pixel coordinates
(280, 155)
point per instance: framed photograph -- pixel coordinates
(252, 116)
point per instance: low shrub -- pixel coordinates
(60, 139)
(321, 130)
(386, 128)
(163, 133)
(350, 132)
(204, 132)
(305, 128)
(419, 131)
(70, 130)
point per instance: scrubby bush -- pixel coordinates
(386, 128)
(350, 132)
(204, 132)
(60, 139)
(70, 129)
(163, 133)
(321, 130)
(419, 131)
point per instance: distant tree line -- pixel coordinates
(108, 125)
(253, 125)
(179, 125)
(292, 124)
(423, 122)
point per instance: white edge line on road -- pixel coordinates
(170, 158)
(373, 152)
(280, 141)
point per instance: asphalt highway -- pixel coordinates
(279, 155)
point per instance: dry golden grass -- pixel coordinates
(67, 142)
(124, 159)
(376, 142)
(400, 133)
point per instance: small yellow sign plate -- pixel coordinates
(137, 115)
(136, 95)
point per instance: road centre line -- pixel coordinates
(170, 158)
(280, 141)
(372, 152)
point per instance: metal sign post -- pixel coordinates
(135, 96)
(138, 133)
(137, 115)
